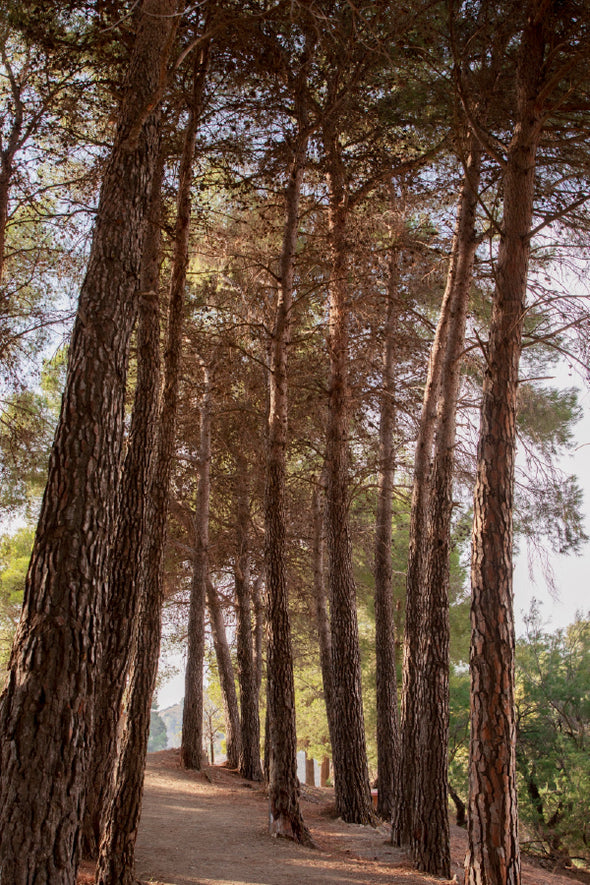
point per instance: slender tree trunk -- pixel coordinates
(46, 711)
(128, 561)
(325, 772)
(309, 771)
(285, 814)
(351, 774)
(116, 862)
(250, 766)
(493, 857)
(321, 601)
(225, 670)
(191, 749)
(259, 622)
(386, 677)
(419, 528)
(430, 838)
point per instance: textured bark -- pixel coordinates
(430, 835)
(126, 579)
(351, 774)
(116, 862)
(386, 677)
(404, 786)
(46, 711)
(250, 766)
(225, 670)
(285, 814)
(493, 857)
(321, 600)
(191, 748)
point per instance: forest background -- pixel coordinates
(360, 128)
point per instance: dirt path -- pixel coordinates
(211, 829)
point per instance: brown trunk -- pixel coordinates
(128, 560)
(309, 771)
(386, 677)
(430, 838)
(191, 749)
(493, 857)
(283, 788)
(116, 862)
(250, 766)
(351, 774)
(13, 143)
(46, 711)
(259, 624)
(325, 772)
(321, 601)
(225, 670)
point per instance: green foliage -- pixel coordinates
(27, 426)
(553, 704)
(15, 552)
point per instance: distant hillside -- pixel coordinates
(172, 716)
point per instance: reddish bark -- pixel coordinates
(46, 711)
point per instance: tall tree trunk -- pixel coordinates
(321, 601)
(493, 857)
(46, 711)
(225, 670)
(250, 766)
(351, 773)
(258, 601)
(128, 561)
(284, 789)
(116, 862)
(430, 838)
(386, 677)
(191, 749)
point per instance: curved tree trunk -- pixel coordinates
(191, 748)
(430, 839)
(250, 766)
(128, 560)
(46, 711)
(386, 677)
(493, 857)
(284, 789)
(116, 862)
(351, 773)
(225, 670)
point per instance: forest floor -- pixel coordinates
(210, 828)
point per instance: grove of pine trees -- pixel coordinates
(282, 290)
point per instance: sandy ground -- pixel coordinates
(211, 829)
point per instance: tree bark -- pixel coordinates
(351, 774)
(46, 711)
(493, 857)
(191, 748)
(116, 862)
(309, 771)
(321, 601)
(128, 561)
(430, 836)
(225, 670)
(284, 790)
(386, 676)
(250, 766)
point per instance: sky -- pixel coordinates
(571, 573)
